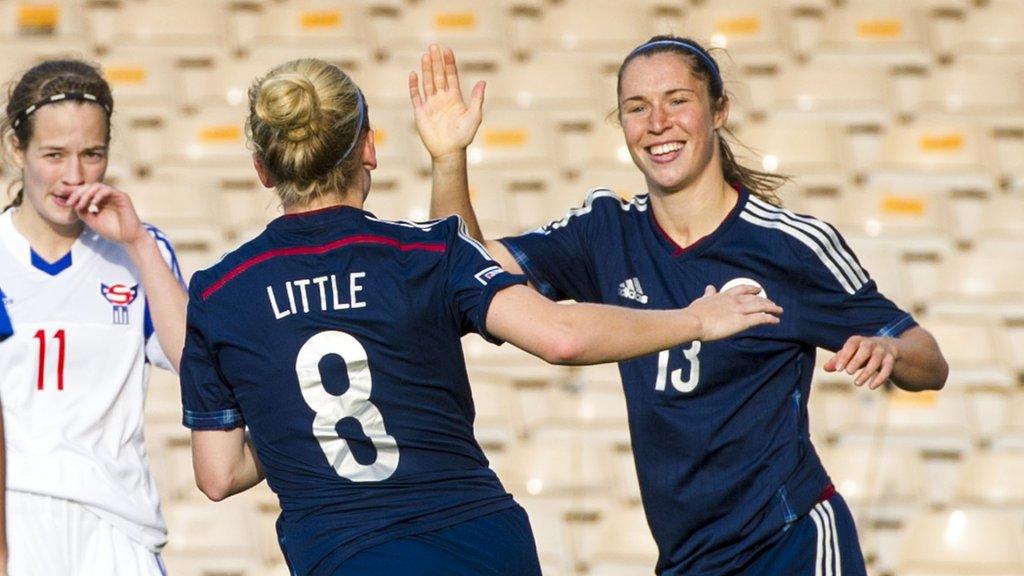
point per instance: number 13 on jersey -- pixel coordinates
(353, 403)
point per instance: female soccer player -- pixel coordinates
(335, 337)
(730, 481)
(87, 286)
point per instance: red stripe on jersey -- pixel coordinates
(827, 493)
(308, 250)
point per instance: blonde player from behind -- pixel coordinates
(95, 297)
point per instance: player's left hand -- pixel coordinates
(871, 359)
(445, 122)
(108, 211)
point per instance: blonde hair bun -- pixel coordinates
(289, 104)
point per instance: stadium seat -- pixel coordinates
(962, 542)
(908, 218)
(752, 32)
(978, 281)
(32, 23)
(935, 153)
(990, 29)
(475, 30)
(992, 478)
(895, 33)
(209, 537)
(602, 29)
(623, 544)
(182, 28)
(837, 89)
(812, 151)
(978, 88)
(884, 483)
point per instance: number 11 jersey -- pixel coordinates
(335, 337)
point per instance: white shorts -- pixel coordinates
(56, 537)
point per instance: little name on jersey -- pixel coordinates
(320, 293)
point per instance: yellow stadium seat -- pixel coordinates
(884, 31)
(904, 217)
(36, 22)
(752, 31)
(935, 153)
(473, 29)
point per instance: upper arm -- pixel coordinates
(527, 320)
(208, 400)
(503, 257)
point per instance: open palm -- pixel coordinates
(445, 122)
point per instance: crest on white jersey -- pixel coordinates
(120, 297)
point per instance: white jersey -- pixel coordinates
(73, 378)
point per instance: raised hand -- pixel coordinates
(108, 211)
(870, 358)
(445, 122)
(737, 309)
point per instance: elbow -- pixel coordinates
(941, 374)
(565, 350)
(216, 487)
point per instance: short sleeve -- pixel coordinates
(6, 329)
(208, 401)
(473, 280)
(154, 353)
(557, 257)
(836, 297)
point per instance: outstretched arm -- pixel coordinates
(913, 361)
(597, 333)
(447, 126)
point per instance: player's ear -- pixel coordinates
(266, 178)
(17, 151)
(369, 152)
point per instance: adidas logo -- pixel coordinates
(631, 289)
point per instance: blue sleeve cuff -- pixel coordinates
(496, 285)
(897, 327)
(523, 260)
(219, 420)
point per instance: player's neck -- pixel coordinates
(326, 201)
(50, 241)
(690, 214)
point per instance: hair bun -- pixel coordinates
(289, 104)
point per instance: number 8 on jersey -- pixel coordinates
(353, 403)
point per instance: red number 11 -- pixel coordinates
(41, 337)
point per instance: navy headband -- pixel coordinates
(81, 96)
(709, 62)
(359, 126)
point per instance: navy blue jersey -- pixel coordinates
(719, 429)
(335, 337)
(5, 321)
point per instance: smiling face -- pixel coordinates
(68, 148)
(668, 121)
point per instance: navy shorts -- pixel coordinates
(822, 543)
(497, 544)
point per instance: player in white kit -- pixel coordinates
(95, 297)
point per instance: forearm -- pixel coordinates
(225, 462)
(609, 333)
(450, 191)
(919, 364)
(166, 297)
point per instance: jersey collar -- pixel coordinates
(316, 218)
(22, 251)
(677, 251)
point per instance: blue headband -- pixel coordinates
(709, 62)
(359, 127)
